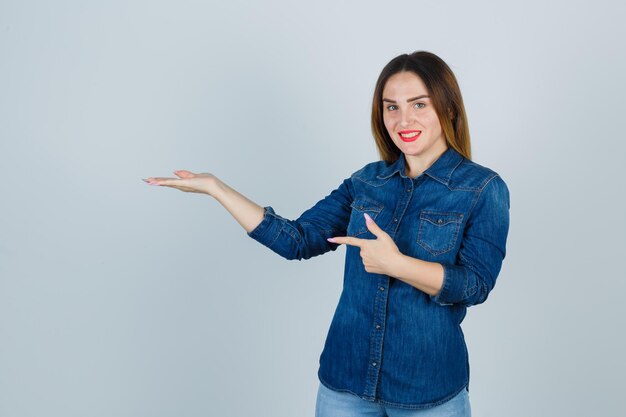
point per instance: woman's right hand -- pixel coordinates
(247, 213)
(204, 183)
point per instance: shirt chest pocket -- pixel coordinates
(438, 231)
(360, 206)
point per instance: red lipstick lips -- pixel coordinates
(409, 135)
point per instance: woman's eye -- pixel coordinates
(389, 107)
(420, 105)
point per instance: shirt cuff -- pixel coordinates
(268, 230)
(454, 284)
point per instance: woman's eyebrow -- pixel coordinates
(409, 100)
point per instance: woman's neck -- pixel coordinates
(416, 165)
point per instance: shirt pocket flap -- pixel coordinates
(441, 219)
(438, 231)
(359, 206)
(364, 205)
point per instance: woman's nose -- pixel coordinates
(407, 118)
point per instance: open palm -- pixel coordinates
(188, 181)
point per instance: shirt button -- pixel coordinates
(408, 190)
(439, 221)
(395, 220)
(378, 326)
(374, 364)
(381, 288)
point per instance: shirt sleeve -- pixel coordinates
(482, 250)
(306, 236)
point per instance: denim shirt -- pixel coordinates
(388, 341)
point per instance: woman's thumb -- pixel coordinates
(184, 174)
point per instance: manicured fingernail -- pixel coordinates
(330, 239)
(367, 217)
(153, 183)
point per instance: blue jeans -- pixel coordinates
(344, 404)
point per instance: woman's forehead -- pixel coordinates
(405, 83)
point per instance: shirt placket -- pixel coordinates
(381, 299)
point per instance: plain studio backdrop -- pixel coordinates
(121, 299)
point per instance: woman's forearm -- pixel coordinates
(423, 275)
(247, 213)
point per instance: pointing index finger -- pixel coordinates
(354, 241)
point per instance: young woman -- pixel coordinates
(425, 229)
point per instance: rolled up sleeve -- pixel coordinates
(269, 229)
(306, 236)
(470, 279)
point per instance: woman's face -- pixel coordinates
(410, 118)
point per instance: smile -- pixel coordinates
(409, 135)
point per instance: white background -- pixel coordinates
(121, 299)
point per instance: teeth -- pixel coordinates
(410, 135)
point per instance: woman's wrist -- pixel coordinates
(215, 188)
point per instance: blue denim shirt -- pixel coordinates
(388, 341)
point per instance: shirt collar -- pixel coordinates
(441, 170)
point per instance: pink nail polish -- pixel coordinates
(367, 217)
(330, 239)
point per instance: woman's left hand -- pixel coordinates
(379, 255)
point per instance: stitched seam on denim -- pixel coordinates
(327, 385)
(367, 204)
(371, 183)
(477, 196)
(488, 180)
(389, 175)
(479, 188)
(281, 219)
(438, 179)
(474, 189)
(374, 347)
(403, 201)
(470, 266)
(324, 231)
(293, 232)
(465, 290)
(275, 238)
(484, 171)
(276, 216)
(328, 392)
(446, 180)
(424, 406)
(444, 288)
(456, 217)
(254, 233)
(363, 169)
(474, 202)
(443, 180)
